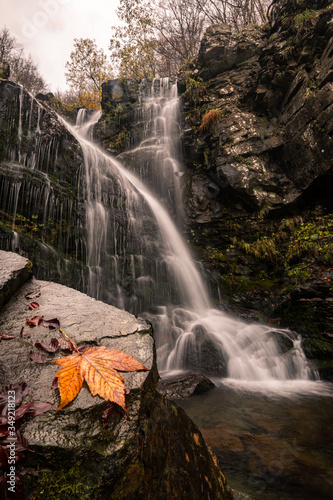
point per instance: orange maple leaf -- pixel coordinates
(97, 366)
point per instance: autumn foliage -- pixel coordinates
(99, 368)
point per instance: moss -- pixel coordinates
(63, 485)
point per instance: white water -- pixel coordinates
(196, 336)
(146, 258)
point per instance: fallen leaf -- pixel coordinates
(33, 295)
(19, 490)
(65, 345)
(51, 323)
(20, 390)
(21, 410)
(55, 384)
(97, 366)
(4, 430)
(35, 321)
(3, 457)
(3, 336)
(37, 357)
(34, 305)
(53, 346)
(111, 409)
(38, 408)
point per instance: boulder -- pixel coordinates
(14, 272)
(271, 147)
(152, 447)
(221, 48)
(184, 386)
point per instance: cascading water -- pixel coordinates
(194, 336)
(124, 247)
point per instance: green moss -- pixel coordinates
(63, 484)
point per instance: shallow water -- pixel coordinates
(274, 442)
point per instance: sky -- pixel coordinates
(47, 29)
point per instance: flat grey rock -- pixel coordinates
(14, 271)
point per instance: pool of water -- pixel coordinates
(274, 442)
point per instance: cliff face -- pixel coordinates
(260, 135)
(258, 149)
(40, 199)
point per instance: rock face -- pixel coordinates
(134, 457)
(271, 145)
(14, 272)
(258, 148)
(122, 124)
(41, 209)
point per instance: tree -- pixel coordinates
(87, 69)
(238, 13)
(133, 43)
(179, 31)
(23, 70)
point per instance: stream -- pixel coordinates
(273, 442)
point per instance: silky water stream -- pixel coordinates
(267, 419)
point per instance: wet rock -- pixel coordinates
(309, 311)
(14, 272)
(271, 147)
(221, 48)
(39, 161)
(152, 447)
(202, 354)
(184, 386)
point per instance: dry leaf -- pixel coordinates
(53, 346)
(35, 321)
(34, 305)
(51, 323)
(3, 336)
(37, 357)
(33, 295)
(97, 366)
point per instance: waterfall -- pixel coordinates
(125, 244)
(190, 333)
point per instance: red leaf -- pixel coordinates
(3, 457)
(20, 392)
(112, 409)
(51, 323)
(65, 345)
(19, 490)
(35, 321)
(21, 410)
(55, 383)
(21, 444)
(33, 295)
(38, 408)
(4, 430)
(34, 305)
(37, 357)
(3, 336)
(53, 346)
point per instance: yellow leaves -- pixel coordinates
(87, 69)
(99, 368)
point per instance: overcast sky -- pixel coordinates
(47, 29)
